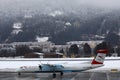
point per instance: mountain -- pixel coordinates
(60, 22)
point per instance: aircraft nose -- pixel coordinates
(18, 70)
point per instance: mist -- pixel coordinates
(48, 6)
(113, 4)
(103, 3)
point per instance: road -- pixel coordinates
(66, 76)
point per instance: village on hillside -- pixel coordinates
(50, 50)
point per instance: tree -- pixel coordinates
(22, 50)
(102, 45)
(37, 49)
(31, 55)
(118, 50)
(112, 38)
(62, 51)
(73, 49)
(111, 49)
(87, 49)
(53, 49)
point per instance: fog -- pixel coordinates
(102, 3)
(46, 6)
(61, 3)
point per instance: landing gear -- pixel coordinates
(61, 73)
(54, 75)
(19, 73)
(40, 67)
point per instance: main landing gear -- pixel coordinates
(61, 73)
(54, 74)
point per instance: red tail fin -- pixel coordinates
(99, 59)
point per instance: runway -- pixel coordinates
(66, 76)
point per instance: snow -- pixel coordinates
(17, 28)
(45, 59)
(17, 25)
(56, 13)
(97, 36)
(16, 31)
(28, 16)
(42, 39)
(68, 24)
(7, 64)
(38, 53)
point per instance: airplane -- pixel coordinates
(27, 65)
(63, 67)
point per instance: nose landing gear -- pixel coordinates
(19, 73)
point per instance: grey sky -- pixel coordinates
(82, 7)
(103, 3)
(96, 3)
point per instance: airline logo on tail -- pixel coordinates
(99, 59)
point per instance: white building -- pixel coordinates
(17, 27)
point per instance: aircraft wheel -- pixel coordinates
(61, 73)
(19, 73)
(54, 75)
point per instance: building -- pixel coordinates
(7, 50)
(81, 43)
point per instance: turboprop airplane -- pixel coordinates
(54, 67)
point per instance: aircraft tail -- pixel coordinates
(101, 54)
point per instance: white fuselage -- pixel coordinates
(75, 64)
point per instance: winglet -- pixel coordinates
(101, 54)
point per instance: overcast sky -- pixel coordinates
(96, 3)
(47, 6)
(103, 3)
